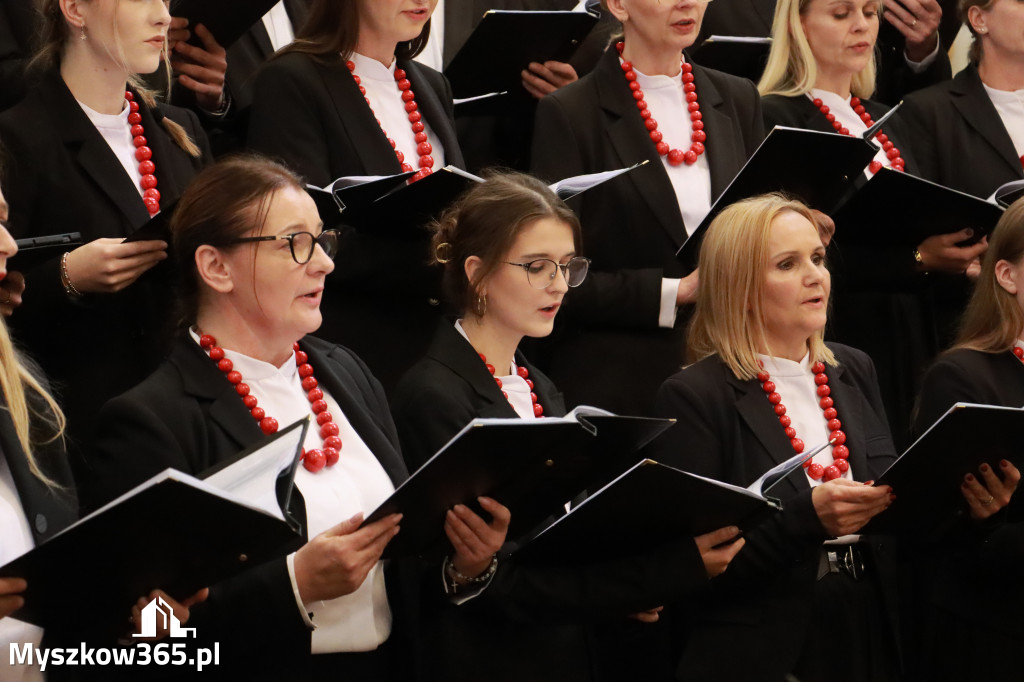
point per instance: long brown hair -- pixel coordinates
(332, 28)
(485, 222)
(225, 200)
(54, 35)
(993, 320)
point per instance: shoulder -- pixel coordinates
(292, 67)
(30, 117)
(430, 382)
(186, 118)
(965, 361)
(705, 378)
(340, 359)
(728, 84)
(853, 359)
(422, 72)
(785, 110)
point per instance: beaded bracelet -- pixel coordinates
(456, 576)
(69, 288)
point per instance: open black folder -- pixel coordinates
(653, 503)
(926, 478)
(505, 42)
(34, 250)
(815, 167)
(228, 20)
(533, 467)
(174, 532)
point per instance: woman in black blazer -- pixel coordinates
(633, 226)
(97, 314)
(788, 602)
(474, 369)
(819, 76)
(255, 259)
(967, 597)
(309, 112)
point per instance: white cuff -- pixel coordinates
(669, 292)
(918, 67)
(290, 561)
(466, 592)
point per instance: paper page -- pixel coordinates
(1008, 193)
(570, 187)
(489, 95)
(780, 471)
(752, 40)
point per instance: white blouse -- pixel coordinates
(512, 384)
(794, 381)
(386, 102)
(1009, 105)
(360, 621)
(16, 540)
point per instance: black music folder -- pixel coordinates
(533, 467)
(156, 228)
(228, 20)
(818, 168)
(174, 532)
(355, 191)
(894, 207)
(649, 505)
(926, 478)
(739, 55)
(34, 250)
(505, 42)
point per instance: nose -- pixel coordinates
(163, 15)
(8, 247)
(560, 283)
(320, 263)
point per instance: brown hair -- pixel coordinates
(962, 8)
(54, 35)
(993, 320)
(224, 201)
(729, 317)
(332, 28)
(485, 222)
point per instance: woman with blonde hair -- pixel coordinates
(89, 151)
(764, 385)
(967, 597)
(819, 76)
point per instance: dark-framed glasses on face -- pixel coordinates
(302, 244)
(542, 271)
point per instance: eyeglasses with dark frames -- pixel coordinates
(540, 273)
(302, 244)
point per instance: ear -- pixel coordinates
(72, 11)
(472, 267)
(978, 19)
(1006, 277)
(618, 10)
(214, 270)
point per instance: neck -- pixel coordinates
(1001, 74)
(651, 61)
(791, 349)
(499, 348)
(376, 48)
(95, 83)
(234, 333)
(839, 83)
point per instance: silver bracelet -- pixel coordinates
(69, 288)
(452, 572)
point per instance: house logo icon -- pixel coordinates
(158, 613)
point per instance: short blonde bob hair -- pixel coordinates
(791, 69)
(729, 319)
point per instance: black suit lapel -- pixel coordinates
(973, 103)
(369, 142)
(850, 405)
(721, 144)
(632, 143)
(262, 39)
(434, 111)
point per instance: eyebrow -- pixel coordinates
(536, 256)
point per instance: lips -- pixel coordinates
(157, 41)
(551, 309)
(418, 13)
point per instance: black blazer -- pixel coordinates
(61, 176)
(186, 416)
(727, 430)
(632, 227)
(536, 609)
(957, 137)
(895, 78)
(17, 26)
(310, 114)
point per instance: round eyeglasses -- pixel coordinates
(302, 244)
(541, 272)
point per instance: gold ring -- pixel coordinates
(987, 502)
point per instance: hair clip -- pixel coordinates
(443, 252)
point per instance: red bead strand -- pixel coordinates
(697, 134)
(895, 160)
(538, 411)
(840, 453)
(313, 460)
(144, 155)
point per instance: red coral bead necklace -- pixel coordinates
(840, 453)
(313, 460)
(892, 153)
(144, 155)
(423, 147)
(538, 411)
(697, 135)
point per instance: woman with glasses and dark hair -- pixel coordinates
(254, 260)
(510, 253)
(346, 99)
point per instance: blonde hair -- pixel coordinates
(791, 69)
(993, 320)
(54, 35)
(729, 319)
